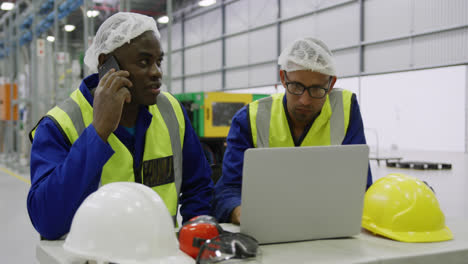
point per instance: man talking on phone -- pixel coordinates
(117, 127)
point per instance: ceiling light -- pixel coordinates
(92, 13)
(163, 20)
(205, 3)
(50, 38)
(7, 6)
(69, 28)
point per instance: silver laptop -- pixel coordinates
(303, 193)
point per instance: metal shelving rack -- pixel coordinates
(27, 59)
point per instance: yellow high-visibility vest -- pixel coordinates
(161, 168)
(270, 126)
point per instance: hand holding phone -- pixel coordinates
(109, 97)
(110, 63)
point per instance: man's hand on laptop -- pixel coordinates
(235, 215)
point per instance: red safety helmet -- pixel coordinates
(196, 231)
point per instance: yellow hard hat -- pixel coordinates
(404, 208)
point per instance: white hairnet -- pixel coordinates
(117, 30)
(307, 54)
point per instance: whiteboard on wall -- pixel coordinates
(417, 110)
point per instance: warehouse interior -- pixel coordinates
(406, 61)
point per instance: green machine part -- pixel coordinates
(193, 102)
(256, 97)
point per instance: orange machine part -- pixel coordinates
(5, 102)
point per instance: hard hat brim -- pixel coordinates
(410, 237)
(177, 257)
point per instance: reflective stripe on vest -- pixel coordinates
(270, 127)
(263, 122)
(167, 128)
(337, 130)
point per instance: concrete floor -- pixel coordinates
(18, 238)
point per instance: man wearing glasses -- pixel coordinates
(309, 113)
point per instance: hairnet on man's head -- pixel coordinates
(307, 54)
(117, 30)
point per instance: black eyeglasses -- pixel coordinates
(315, 91)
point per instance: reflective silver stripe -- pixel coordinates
(337, 129)
(73, 110)
(170, 118)
(263, 122)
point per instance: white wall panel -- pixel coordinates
(176, 36)
(211, 25)
(351, 84)
(176, 64)
(296, 29)
(291, 8)
(212, 56)
(430, 14)
(203, 27)
(237, 78)
(212, 82)
(466, 109)
(199, 11)
(441, 48)
(253, 76)
(244, 14)
(418, 110)
(387, 56)
(164, 65)
(260, 90)
(346, 62)
(163, 33)
(262, 45)
(336, 23)
(339, 27)
(176, 57)
(262, 12)
(193, 84)
(237, 50)
(193, 60)
(384, 19)
(336, 33)
(263, 75)
(237, 16)
(176, 86)
(193, 31)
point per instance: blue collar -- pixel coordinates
(87, 85)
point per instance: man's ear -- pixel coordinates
(281, 73)
(332, 83)
(102, 58)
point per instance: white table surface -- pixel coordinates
(451, 187)
(363, 248)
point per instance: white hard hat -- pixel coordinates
(125, 223)
(115, 31)
(307, 54)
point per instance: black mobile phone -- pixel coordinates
(110, 63)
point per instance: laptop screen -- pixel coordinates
(303, 193)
